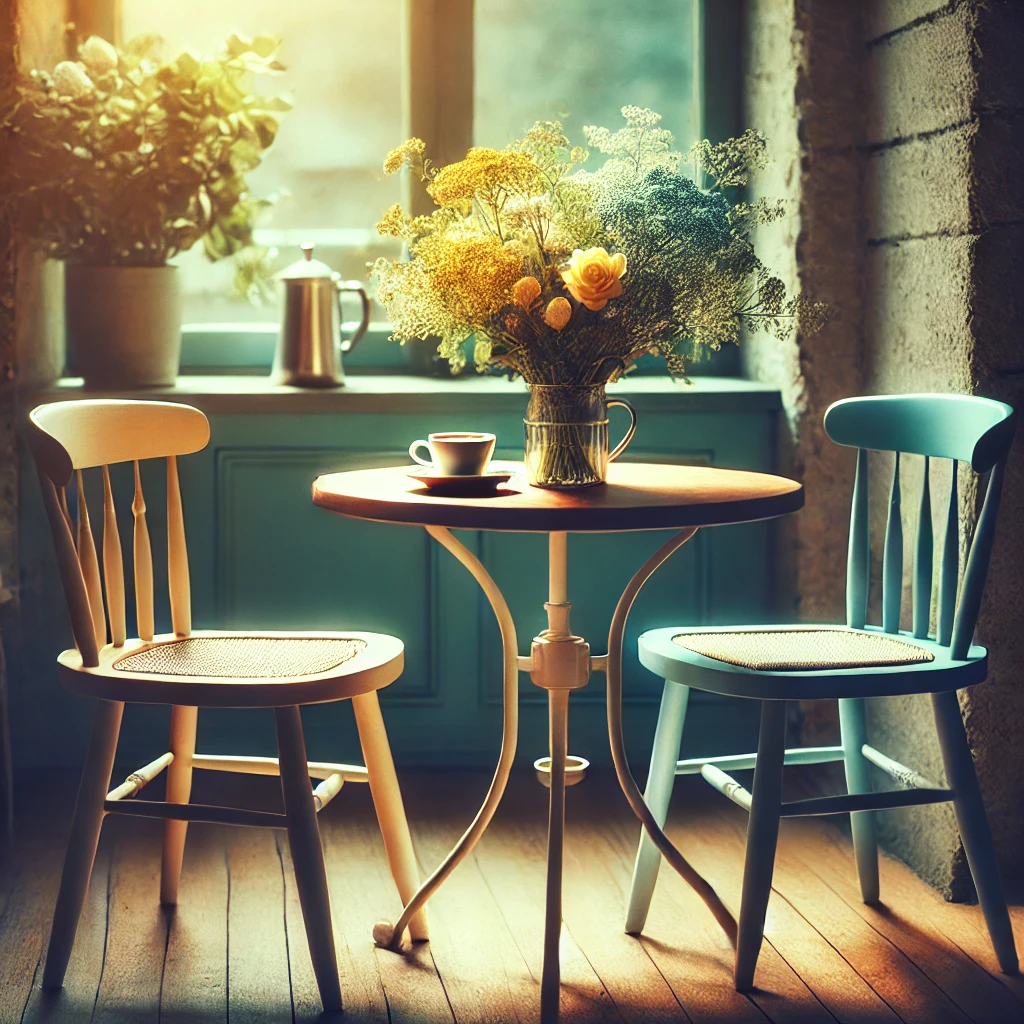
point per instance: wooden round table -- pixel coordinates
(637, 496)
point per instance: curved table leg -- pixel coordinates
(384, 933)
(625, 776)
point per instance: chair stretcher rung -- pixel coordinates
(897, 772)
(269, 766)
(744, 762)
(197, 812)
(327, 791)
(134, 783)
(848, 802)
(726, 785)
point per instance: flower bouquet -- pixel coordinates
(567, 276)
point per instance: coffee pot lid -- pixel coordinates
(307, 267)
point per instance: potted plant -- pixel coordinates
(566, 277)
(118, 162)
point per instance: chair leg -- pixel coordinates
(387, 800)
(853, 725)
(657, 794)
(84, 838)
(973, 825)
(307, 855)
(179, 789)
(762, 837)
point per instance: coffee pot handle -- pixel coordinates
(364, 322)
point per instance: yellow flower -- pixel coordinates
(70, 80)
(482, 175)
(558, 313)
(525, 290)
(409, 152)
(593, 277)
(98, 55)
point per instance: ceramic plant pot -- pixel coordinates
(123, 325)
(567, 435)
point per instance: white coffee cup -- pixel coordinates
(455, 452)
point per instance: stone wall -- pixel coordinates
(900, 131)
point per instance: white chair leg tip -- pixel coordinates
(383, 932)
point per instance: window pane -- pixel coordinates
(580, 62)
(344, 77)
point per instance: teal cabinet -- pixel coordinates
(262, 556)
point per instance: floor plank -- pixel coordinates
(235, 949)
(259, 987)
(195, 981)
(486, 976)
(412, 989)
(512, 859)
(905, 918)
(137, 926)
(76, 1001)
(879, 982)
(34, 867)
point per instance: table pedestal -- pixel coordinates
(559, 662)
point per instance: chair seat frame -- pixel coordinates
(664, 657)
(377, 665)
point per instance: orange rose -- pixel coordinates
(592, 277)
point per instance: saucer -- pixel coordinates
(479, 486)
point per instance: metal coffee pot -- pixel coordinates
(309, 345)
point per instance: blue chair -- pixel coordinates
(776, 664)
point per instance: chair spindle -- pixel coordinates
(977, 567)
(143, 556)
(892, 557)
(177, 555)
(858, 559)
(75, 594)
(90, 565)
(923, 556)
(950, 571)
(113, 568)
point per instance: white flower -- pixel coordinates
(98, 55)
(70, 80)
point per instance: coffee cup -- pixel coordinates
(455, 452)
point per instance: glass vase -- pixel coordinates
(567, 435)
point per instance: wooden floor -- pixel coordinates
(234, 950)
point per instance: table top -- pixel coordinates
(637, 496)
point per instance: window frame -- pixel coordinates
(438, 72)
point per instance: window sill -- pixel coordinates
(222, 394)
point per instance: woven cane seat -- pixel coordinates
(801, 650)
(243, 657)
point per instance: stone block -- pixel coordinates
(998, 307)
(998, 158)
(923, 79)
(999, 43)
(830, 80)
(885, 16)
(921, 187)
(918, 314)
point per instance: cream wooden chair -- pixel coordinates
(189, 670)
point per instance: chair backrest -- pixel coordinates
(962, 428)
(67, 437)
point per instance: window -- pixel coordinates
(364, 74)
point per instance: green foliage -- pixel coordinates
(121, 158)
